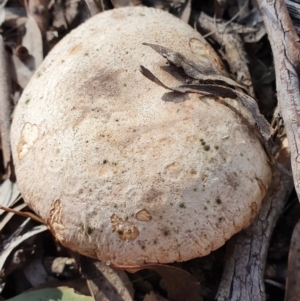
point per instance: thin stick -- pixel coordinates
(234, 54)
(24, 214)
(228, 22)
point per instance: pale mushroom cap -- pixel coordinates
(120, 168)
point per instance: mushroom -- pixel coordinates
(123, 169)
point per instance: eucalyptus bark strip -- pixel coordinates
(292, 292)
(5, 106)
(286, 52)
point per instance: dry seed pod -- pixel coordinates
(120, 168)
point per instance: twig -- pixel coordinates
(243, 277)
(5, 106)
(292, 291)
(234, 54)
(24, 214)
(285, 47)
(228, 22)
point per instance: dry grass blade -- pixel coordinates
(5, 105)
(9, 194)
(292, 292)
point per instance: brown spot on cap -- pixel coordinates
(55, 220)
(143, 216)
(29, 136)
(198, 47)
(193, 172)
(76, 49)
(126, 229)
(173, 169)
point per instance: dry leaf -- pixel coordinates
(2, 15)
(2, 11)
(256, 28)
(154, 297)
(33, 41)
(59, 22)
(9, 193)
(105, 283)
(76, 12)
(16, 239)
(46, 294)
(203, 72)
(186, 12)
(38, 9)
(61, 267)
(36, 273)
(181, 285)
(94, 7)
(14, 16)
(21, 74)
(293, 7)
(208, 81)
(123, 3)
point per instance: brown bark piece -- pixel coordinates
(292, 292)
(285, 47)
(243, 277)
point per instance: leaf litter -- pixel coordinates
(38, 33)
(209, 83)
